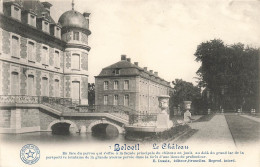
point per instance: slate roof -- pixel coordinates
(128, 69)
(36, 6)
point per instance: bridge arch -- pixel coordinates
(72, 124)
(120, 129)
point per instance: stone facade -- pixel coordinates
(35, 49)
(127, 84)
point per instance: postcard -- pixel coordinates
(129, 83)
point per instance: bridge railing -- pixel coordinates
(110, 108)
(141, 119)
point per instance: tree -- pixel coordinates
(229, 73)
(91, 94)
(185, 91)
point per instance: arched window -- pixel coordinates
(31, 86)
(75, 61)
(15, 83)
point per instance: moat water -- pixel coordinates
(49, 137)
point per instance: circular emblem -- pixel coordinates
(30, 154)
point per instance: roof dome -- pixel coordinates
(73, 18)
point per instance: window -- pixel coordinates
(76, 36)
(45, 26)
(126, 85)
(45, 88)
(32, 20)
(75, 92)
(57, 88)
(57, 59)
(14, 83)
(115, 99)
(117, 71)
(45, 55)
(105, 99)
(57, 32)
(16, 13)
(115, 85)
(75, 61)
(126, 100)
(106, 85)
(31, 51)
(31, 86)
(15, 47)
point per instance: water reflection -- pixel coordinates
(49, 137)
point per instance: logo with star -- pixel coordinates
(30, 154)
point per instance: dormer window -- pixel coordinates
(45, 26)
(117, 71)
(32, 20)
(16, 12)
(57, 32)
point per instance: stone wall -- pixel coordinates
(5, 118)
(30, 118)
(46, 118)
(5, 78)
(84, 87)
(84, 61)
(6, 42)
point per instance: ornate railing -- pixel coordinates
(19, 99)
(146, 119)
(111, 108)
(24, 99)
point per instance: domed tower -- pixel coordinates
(75, 32)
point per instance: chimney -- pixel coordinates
(123, 57)
(136, 63)
(145, 68)
(129, 60)
(151, 71)
(47, 6)
(156, 73)
(86, 15)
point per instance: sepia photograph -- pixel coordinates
(129, 83)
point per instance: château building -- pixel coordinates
(128, 85)
(41, 57)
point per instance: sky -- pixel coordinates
(162, 34)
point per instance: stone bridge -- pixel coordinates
(21, 114)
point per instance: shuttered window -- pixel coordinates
(75, 61)
(31, 87)
(14, 83)
(15, 47)
(45, 86)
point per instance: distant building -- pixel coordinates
(39, 57)
(126, 84)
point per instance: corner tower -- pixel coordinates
(75, 32)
